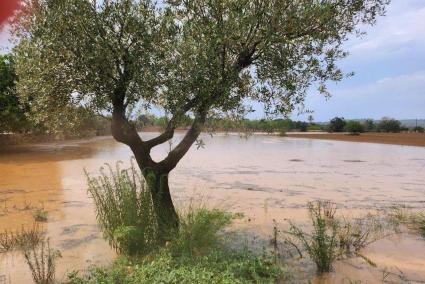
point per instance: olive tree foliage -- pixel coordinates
(188, 57)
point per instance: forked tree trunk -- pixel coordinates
(165, 211)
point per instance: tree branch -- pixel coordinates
(171, 161)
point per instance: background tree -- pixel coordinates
(369, 125)
(354, 127)
(310, 119)
(191, 57)
(337, 124)
(389, 125)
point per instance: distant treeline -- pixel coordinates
(337, 124)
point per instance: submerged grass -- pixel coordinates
(333, 238)
(21, 239)
(413, 220)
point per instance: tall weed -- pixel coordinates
(124, 209)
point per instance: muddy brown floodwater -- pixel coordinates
(264, 177)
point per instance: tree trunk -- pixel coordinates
(165, 211)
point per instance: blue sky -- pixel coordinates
(389, 66)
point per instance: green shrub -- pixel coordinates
(124, 210)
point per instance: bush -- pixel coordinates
(198, 231)
(354, 127)
(337, 124)
(389, 125)
(124, 210)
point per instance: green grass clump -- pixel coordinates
(124, 210)
(215, 267)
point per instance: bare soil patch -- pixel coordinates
(407, 139)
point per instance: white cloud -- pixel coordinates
(401, 29)
(401, 97)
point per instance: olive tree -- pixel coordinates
(187, 57)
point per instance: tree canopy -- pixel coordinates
(12, 113)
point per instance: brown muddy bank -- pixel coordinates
(406, 139)
(264, 177)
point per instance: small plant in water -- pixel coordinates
(124, 210)
(332, 238)
(40, 215)
(413, 220)
(21, 239)
(41, 260)
(322, 244)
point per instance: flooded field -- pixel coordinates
(264, 177)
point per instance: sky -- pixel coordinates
(389, 67)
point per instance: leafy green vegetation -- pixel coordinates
(12, 112)
(215, 267)
(199, 231)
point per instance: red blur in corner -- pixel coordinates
(7, 7)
